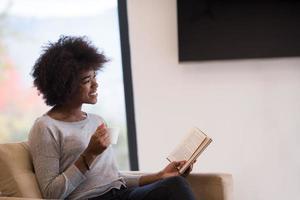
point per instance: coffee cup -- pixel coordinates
(113, 133)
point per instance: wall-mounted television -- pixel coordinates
(238, 29)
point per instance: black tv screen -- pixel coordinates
(238, 29)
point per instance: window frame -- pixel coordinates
(128, 88)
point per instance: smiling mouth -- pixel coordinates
(94, 94)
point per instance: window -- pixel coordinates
(25, 26)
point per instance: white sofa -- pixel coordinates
(18, 181)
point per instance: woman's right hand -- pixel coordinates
(98, 142)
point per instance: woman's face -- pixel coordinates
(88, 87)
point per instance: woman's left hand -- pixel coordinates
(187, 171)
(172, 169)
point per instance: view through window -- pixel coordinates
(26, 26)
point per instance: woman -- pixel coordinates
(71, 149)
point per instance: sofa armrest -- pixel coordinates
(212, 186)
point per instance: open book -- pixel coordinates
(190, 148)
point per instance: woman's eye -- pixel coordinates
(87, 81)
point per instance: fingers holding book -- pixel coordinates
(178, 164)
(172, 169)
(188, 170)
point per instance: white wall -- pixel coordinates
(251, 108)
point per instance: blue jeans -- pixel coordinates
(173, 188)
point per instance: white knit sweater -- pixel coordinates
(56, 145)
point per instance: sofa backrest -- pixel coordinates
(17, 176)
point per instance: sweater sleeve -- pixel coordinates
(45, 151)
(131, 180)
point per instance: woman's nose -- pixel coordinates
(95, 83)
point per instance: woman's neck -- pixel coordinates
(67, 113)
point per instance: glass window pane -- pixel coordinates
(25, 26)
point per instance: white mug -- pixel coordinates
(113, 133)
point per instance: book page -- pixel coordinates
(189, 145)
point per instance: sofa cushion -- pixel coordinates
(16, 171)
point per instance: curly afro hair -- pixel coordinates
(56, 72)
